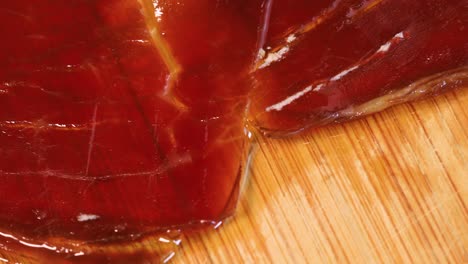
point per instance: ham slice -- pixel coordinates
(117, 123)
(342, 59)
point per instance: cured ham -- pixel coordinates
(127, 119)
(116, 123)
(342, 59)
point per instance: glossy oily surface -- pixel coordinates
(127, 122)
(353, 57)
(109, 132)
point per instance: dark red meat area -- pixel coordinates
(331, 56)
(94, 123)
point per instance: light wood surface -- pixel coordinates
(389, 188)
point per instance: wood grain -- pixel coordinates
(389, 188)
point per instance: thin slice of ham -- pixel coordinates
(353, 58)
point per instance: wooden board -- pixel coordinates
(389, 188)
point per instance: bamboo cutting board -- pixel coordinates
(389, 188)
